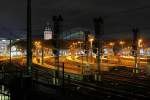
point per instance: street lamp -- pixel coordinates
(122, 43)
(79, 44)
(140, 43)
(112, 45)
(10, 50)
(91, 39)
(80, 48)
(37, 47)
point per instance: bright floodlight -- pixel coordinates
(122, 42)
(17, 39)
(112, 43)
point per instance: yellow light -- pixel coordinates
(121, 42)
(140, 42)
(91, 39)
(112, 43)
(37, 44)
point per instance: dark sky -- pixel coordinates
(119, 15)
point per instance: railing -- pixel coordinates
(50, 76)
(4, 93)
(41, 79)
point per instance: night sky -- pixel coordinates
(119, 15)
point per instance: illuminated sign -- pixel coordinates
(47, 35)
(47, 32)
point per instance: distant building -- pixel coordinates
(48, 32)
(3, 46)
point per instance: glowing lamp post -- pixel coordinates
(79, 45)
(140, 45)
(112, 45)
(37, 47)
(140, 41)
(91, 39)
(122, 43)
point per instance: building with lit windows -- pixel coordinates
(3, 46)
(48, 32)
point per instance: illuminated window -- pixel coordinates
(47, 32)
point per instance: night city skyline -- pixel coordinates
(74, 49)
